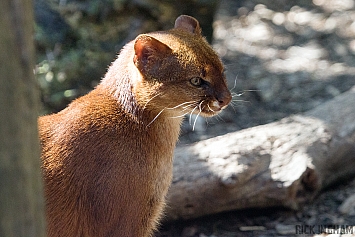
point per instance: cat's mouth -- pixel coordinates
(214, 105)
(210, 108)
(204, 107)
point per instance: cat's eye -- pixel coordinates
(196, 81)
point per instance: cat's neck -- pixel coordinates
(121, 82)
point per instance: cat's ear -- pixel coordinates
(149, 52)
(188, 23)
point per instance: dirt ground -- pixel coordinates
(282, 58)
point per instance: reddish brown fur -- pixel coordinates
(107, 157)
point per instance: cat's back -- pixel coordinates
(94, 117)
(87, 111)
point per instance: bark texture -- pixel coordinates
(21, 197)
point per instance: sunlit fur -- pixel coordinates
(107, 157)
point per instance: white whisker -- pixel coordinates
(232, 105)
(189, 106)
(150, 100)
(199, 105)
(241, 101)
(210, 108)
(235, 94)
(179, 116)
(192, 113)
(155, 118)
(242, 93)
(189, 102)
(235, 83)
(220, 117)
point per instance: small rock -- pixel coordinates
(348, 206)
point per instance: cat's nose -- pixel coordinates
(224, 99)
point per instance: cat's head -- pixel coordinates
(180, 72)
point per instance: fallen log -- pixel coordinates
(284, 163)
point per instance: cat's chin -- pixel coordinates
(209, 113)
